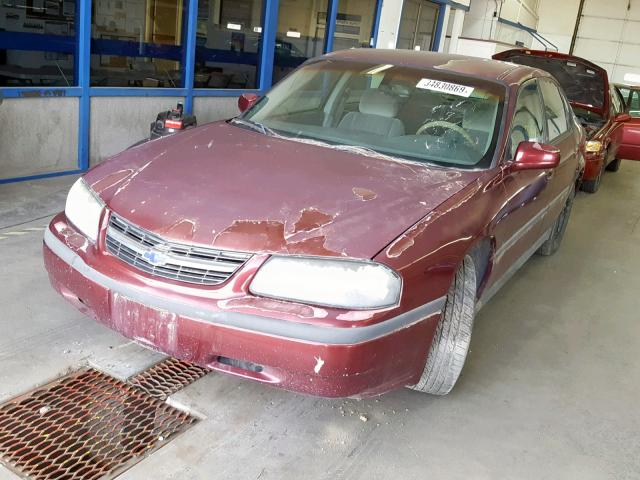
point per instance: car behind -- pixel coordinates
(595, 102)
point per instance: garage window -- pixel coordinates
(37, 44)
(137, 44)
(354, 24)
(555, 110)
(228, 41)
(300, 34)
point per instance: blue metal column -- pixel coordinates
(189, 62)
(268, 44)
(330, 25)
(83, 62)
(438, 31)
(376, 24)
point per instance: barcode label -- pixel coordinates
(445, 87)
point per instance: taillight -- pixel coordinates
(173, 124)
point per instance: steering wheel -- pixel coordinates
(449, 126)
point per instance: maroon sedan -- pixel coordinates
(336, 238)
(597, 104)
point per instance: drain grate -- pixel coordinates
(167, 377)
(84, 426)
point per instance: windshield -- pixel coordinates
(420, 115)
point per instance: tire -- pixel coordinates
(552, 244)
(453, 334)
(614, 166)
(592, 186)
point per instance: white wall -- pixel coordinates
(481, 22)
(38, 135)
(609, 35)
(119, 122)
(557, 20)
(389, 23)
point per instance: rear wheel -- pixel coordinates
(552, 244)
(614, 166)
(453, 334)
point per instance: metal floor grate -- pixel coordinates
(84, 426)
(167, 377)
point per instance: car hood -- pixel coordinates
(584, 82)
(223, 186)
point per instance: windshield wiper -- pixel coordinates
(359, 149)
(254, 126)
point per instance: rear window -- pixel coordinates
(581, 84)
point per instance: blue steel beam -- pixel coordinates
(268, 43)
(376, 24)
(439, 27)
(330, 25)
(189, 62)
(83, 52)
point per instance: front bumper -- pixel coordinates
(306, 357)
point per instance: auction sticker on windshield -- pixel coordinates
(445, 87)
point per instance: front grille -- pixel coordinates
(160, 258)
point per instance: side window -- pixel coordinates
(527, 124)
(634, 103)
(554, 108)
(625, 94)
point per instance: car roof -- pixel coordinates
(488, 69)
(627, 86)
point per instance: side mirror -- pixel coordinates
(246, 101)
(536, 156)
(622, 117)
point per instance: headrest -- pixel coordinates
(378, 102)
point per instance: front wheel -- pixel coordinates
(552, 244)
(614, 166)
(453, 334)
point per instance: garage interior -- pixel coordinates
(550, 386)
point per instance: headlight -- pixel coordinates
(328, 282)
(83, 209)
(593, 146)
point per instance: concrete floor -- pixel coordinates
(550, 389)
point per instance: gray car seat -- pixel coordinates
(377, 115)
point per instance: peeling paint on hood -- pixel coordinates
(241, 190)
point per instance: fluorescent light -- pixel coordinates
(632, 77)
(293, 34)
(417, 48)
(257, 29)
(234, 26)
(378, 69)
